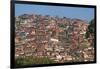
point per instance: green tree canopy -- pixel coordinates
(91, 28)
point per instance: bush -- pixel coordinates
(26, 61)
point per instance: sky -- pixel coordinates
(69, 12)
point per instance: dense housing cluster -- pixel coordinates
(60, 39)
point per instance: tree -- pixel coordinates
(90, 29)
(90, 32)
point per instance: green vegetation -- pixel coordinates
(26, 61)
(91, 29)
(62, 26)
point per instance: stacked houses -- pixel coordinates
(60, 39)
